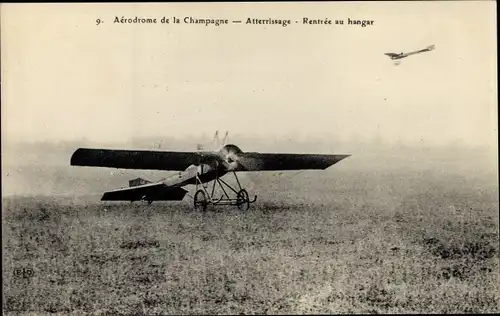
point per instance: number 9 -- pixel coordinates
(98, 21)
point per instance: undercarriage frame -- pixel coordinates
(203, 198)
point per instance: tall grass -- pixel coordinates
(355, 242)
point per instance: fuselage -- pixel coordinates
(205, 172)
(213, 164)
(400, 56)
(403, 55)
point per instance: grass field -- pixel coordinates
(351, 240)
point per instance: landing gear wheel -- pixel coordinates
(200, 201)
(243, 201)
(144, 198)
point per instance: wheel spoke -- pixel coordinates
(243, 202)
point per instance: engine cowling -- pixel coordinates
(230, 156)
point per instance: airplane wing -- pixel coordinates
(134, 159)
(427, 49)
(391, 54)
(149, 192)
(272, 162)
(417, 52)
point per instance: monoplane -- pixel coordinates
(395, 56)
(195, 168)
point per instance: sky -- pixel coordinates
(66, 78)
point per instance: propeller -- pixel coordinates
(236, 160)
(231, 157)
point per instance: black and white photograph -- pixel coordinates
(249, 158)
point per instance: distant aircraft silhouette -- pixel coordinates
(402, 55)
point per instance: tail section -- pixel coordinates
(146, 192)
(137, 182)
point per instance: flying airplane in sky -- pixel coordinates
(195, 168)
(402, 55)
